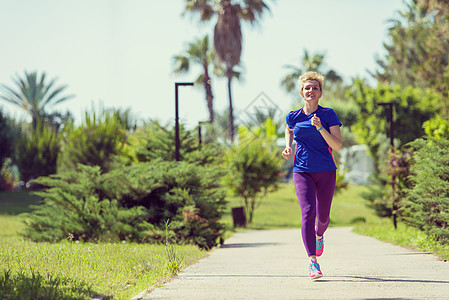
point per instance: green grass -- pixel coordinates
(348, 206)
(86, 270)
(281, 209)
(70, 270)
(406, 236)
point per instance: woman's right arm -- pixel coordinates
(288, 142)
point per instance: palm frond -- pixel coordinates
(33, 94)
(205, 8)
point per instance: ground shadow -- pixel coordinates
(348, 278)
(378, 279)
(248, 245)
(17, 202)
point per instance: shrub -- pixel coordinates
(253, 166)
(347, 111)
(6, 137)
(37, 151)
(96, 142)
(157, 142)
(186, 194)
(427, 204)
(120, 205)
(437, 128)
(72, 208)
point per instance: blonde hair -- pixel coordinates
(310, 76)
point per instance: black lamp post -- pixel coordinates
(177, 142)
(199, 130)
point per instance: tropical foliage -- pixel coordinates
(412, 106)
(417, 51)
(309, 62)
(33, 94)
(96, 142)
(227, 32)
(136, 187)
(199, 52)
(6, 137)
(37, 151)
(414, 76)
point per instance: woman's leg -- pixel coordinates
(306, 193)
(325, 187)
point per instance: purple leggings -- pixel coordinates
(314, 192)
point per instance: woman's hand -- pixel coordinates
(316, 122)
(287, 152)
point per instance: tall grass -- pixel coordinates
(119, 270)
(71, 270)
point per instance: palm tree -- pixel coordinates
(33, 94)
(199, 52)
(227, 32)
(313, 62)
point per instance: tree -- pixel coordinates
(227, 32)
(33, 94)
(309, 62)
(254, 165)
(199, 52)
(427, 203)
(6, 137)
(417, 51)
(412, 107)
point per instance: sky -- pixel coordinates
(117, 53)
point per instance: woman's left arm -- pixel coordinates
(333, 138)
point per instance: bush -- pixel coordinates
(73, 209)
(120, 205)
(254, 165)
(97, 142)
(153, 186)
(6, 138)
(427, 204)
(158, 142)
(186, 194)
(37, 151)
(437, 128)
(347, 111)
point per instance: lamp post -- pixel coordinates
(199, 130)
(177, 142)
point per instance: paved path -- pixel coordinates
(271, 264)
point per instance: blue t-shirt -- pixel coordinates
(313, 154)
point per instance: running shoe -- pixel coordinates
(315, 271)
(319, 246)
